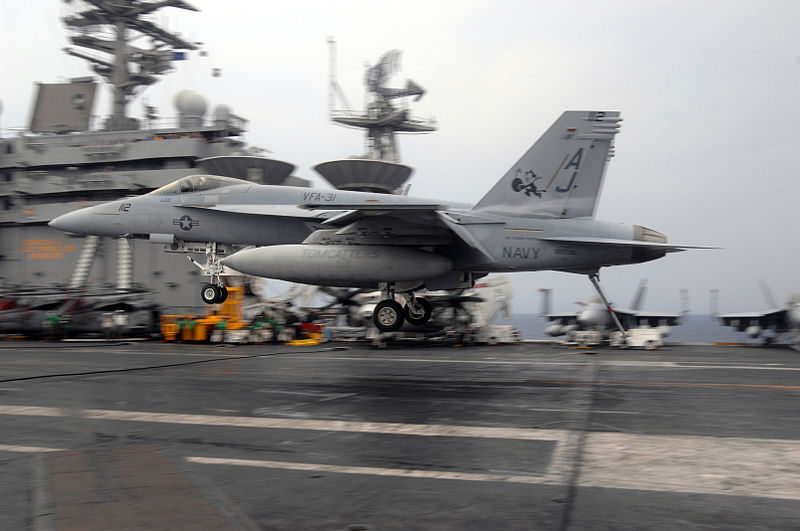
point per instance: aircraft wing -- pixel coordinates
(333, 215)
(776, 319)
(635, 318)
(408, 220)
(655, 319)
(563, 318)
(367, 206)
(345, 214)
(409, 213)
(290, 211)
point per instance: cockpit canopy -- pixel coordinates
(197, 183)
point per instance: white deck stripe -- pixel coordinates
(27, 449)
(733, 466)
(370, 471)
(768, 468)
(702, 473)
(392, 428)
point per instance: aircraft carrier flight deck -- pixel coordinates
(346, 437)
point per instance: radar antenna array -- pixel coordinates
(383, 117)
(125, 67)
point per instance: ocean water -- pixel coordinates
(702, 328)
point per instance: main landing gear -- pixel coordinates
(389, 315)
(215, 291)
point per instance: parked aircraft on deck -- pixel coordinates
(769, 325)
(594, 315)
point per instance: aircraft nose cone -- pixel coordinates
(584, 318)
(794, 316)
(75, 222)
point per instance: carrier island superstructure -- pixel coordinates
(61, 163)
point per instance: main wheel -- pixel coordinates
(210, 293)
(388, 315)
(419, 312)
(223, 295)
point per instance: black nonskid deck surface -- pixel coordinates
(529, 436)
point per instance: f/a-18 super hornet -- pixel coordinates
(773, 325)
(594, 315)
(538, 216)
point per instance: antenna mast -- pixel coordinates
(382, 118)
(332, 83)
(379, 170)
(125, 21)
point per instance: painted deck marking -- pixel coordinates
(370, 471)
(764, 468)
(392, 428)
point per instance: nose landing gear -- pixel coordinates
(214, 294)
(215, 291)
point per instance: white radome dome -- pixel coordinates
(190, 103)
(222, 112)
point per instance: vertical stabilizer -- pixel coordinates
(545, 308)
(638, 297)
(561, 175)
(713, 302)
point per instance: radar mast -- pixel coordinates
(386, 114)
(125, 67)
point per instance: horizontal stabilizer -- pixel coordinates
(669, 247)
(465, 235)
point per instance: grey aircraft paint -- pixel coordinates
(538, 216)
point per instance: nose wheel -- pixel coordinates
(213, 294)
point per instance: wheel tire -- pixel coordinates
(421, 316)
(209, 293)
(223, 295)
(388, 315)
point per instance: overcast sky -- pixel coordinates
(708, 91)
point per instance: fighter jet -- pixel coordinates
(594, 315)
(769, 325)
(538, 216)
